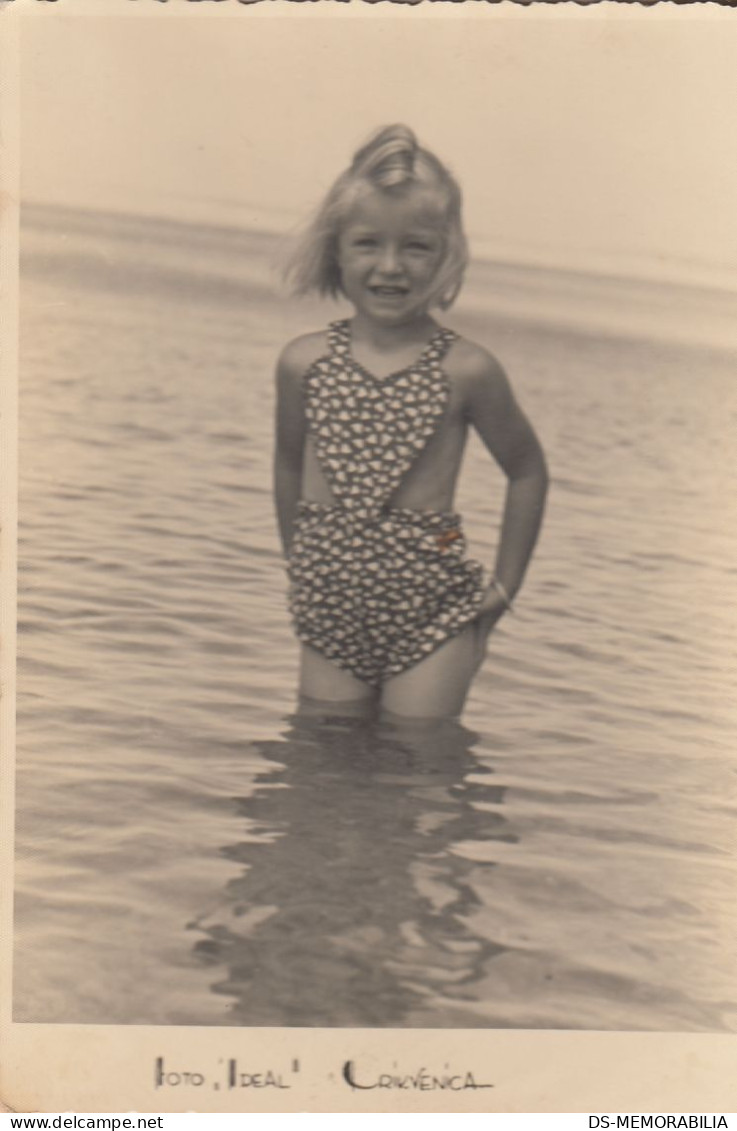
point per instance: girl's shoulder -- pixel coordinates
(302, 352)
(472, 365)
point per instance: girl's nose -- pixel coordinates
(389, 260)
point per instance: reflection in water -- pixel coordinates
(352, 908)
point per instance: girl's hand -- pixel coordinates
(492, 608)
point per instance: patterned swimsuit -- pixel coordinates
(377, 588)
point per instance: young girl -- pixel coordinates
(372, 417)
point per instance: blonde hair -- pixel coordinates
(393, 162)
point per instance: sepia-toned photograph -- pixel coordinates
(376, 523)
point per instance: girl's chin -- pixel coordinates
(393, 318)
(391, 308)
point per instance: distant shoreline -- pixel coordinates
(220, 262)
(719, 277)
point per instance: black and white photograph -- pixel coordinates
(376, 528)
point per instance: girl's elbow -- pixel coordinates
(537, 465)
(532, 469)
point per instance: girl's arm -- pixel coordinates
(509, 437)
(290, 440)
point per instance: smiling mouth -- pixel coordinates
(389, 291)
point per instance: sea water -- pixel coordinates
(189, 851)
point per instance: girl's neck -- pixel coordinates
(385, 339)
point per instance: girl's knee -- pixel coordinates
(310, 707)
(417, 721)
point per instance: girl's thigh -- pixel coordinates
(437, 687)
(323, 681)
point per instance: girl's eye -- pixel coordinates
(419, 245)
(364, 241)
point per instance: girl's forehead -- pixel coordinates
(415, 207)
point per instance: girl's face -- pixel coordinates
(389, 251)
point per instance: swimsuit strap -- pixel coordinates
(438, 346)
(339, 338)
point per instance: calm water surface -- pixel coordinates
(190, 851)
